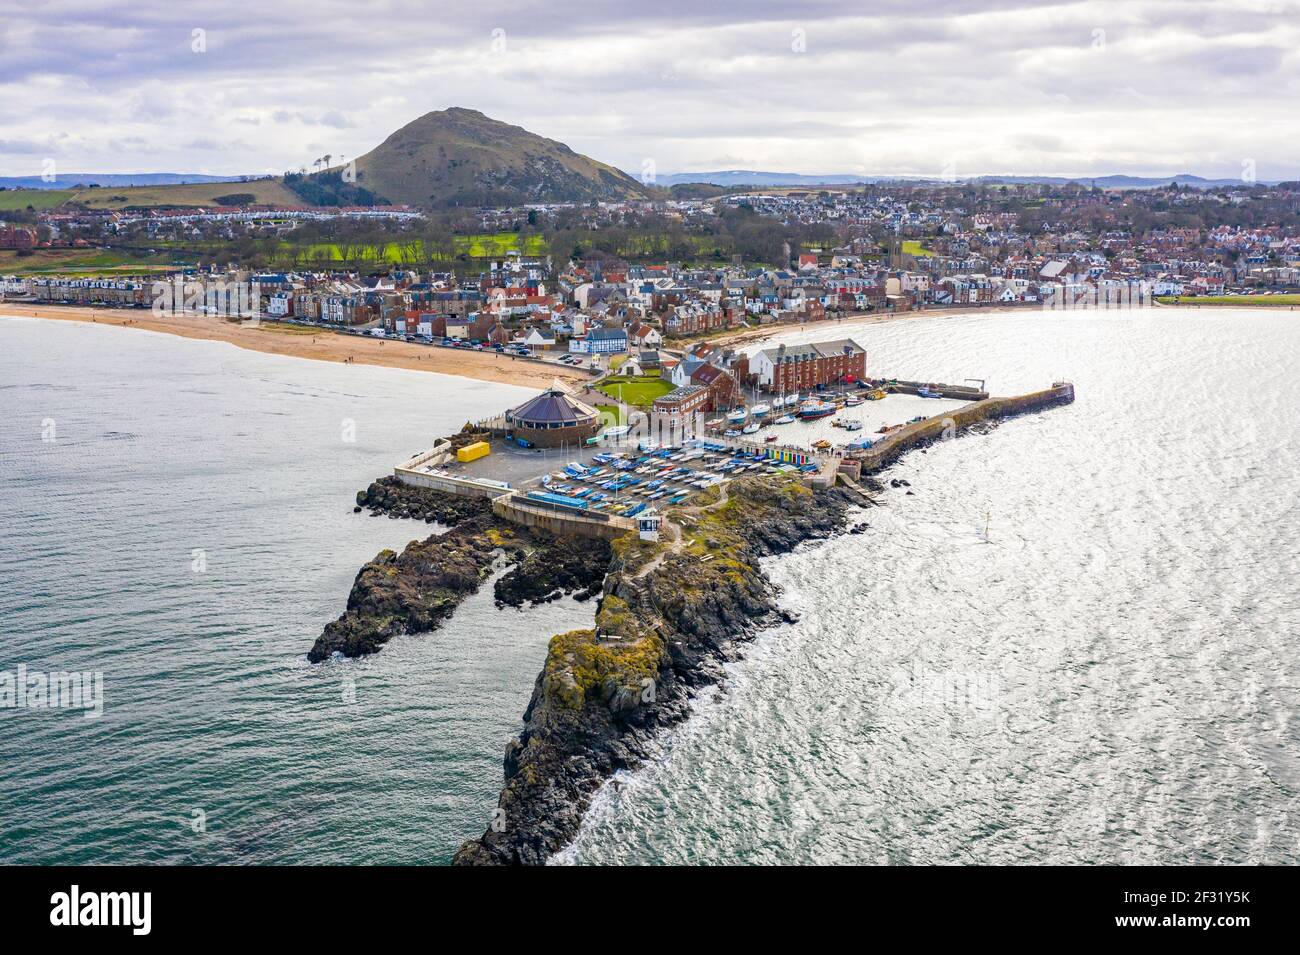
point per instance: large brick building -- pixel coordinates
(792, 368)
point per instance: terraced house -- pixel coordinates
(791, 368)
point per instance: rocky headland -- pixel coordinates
(417, 590)
(672, 612)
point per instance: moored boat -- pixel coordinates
(854, 400)
(784, 419)
(812, 408)
(749, 428)
(925, 391)
(759, 410)
(737, 416)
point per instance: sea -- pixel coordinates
(1070, 640)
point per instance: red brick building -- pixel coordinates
(792, 368)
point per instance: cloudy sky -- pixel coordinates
(923, 87)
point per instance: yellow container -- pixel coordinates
(472, 452)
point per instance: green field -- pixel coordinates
(78, 263)
(264, 191)
(640, 391)
(1253, 301)
(11, 199)
(914, 248)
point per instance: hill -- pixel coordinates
(258, 191)
(73, 180)
(461, 157)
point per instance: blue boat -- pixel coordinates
(926, 392)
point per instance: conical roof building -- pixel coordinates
(553, 418)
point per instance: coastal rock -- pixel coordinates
(411, 592)
(390, 496)
(556, 566)
(663, 631)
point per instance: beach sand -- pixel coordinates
(318, 344)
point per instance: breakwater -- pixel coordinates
(918, 434)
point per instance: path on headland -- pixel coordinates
(678, 542)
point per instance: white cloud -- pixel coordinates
(1154, 86)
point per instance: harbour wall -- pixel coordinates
(529, 513)
(887, 450)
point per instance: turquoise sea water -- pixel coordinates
(1075, 642)
(163, 447)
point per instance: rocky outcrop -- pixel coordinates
(413, 591)
(606, 694)
(554, 567)
(417, 590)
(390, 496)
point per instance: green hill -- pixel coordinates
(461, 157)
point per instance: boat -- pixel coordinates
(749, 428)
(737, 416)
(876, 394)
(925, 391)
(731, 433)
(851, 425)
(854, 400)
(812, 408)
(759, 410)
(785, 419)
(822, 445)
(770, 438)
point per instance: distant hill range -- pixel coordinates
(461, 157)
(736, 178)
(69, 180)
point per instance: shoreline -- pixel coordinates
(274, 338)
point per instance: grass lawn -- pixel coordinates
(75, 263)
(640, 391)
(1256, 301)
(914, 248)
(11, 199)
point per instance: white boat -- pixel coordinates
(731, 433)
(759, 410)
(737, 416)
(785, 419)
(749, 428)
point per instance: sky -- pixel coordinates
(937, 88)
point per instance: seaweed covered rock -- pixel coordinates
(413, 591)
(554, 567)
(671, 615)
(390, 496)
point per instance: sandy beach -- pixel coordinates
(320, 345)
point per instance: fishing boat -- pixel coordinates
(737, 416)
(853, 401)
(876, 394)
(812, 408)
(759, 410)
(749, 428)
(785, 419)
(822, 445)
(925, 391)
